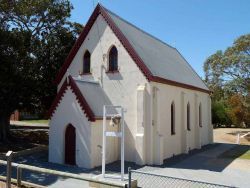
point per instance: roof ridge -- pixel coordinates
(145, 32)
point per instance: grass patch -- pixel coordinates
(43, 121)
(239, 151)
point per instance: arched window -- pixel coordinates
(188, 117)
(86, 62)
(200, 115)
(172, 119)
(113, 59)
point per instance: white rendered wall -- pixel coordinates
(121, 88)
(112, 144)
(173, 143)
(69, 111)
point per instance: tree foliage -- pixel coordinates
(228, 76)
(35, 38)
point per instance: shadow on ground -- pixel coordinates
(40, 160)
(210, 157)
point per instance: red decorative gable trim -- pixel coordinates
(77, 45)
(100, 10)
(80, 98)
(131, 51)
(139, 62)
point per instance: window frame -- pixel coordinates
(172, 118)
(188, 117)
(200, 115)
(85, 61)
(110, 63)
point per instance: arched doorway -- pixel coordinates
(70, 145)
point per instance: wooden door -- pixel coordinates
(70, 145)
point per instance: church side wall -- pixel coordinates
(183, 140)
(112, 144)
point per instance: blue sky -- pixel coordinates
(197, 28)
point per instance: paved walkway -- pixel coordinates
(202, 165)
(208, 167)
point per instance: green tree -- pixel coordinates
(228, 74)
(239, 112)
(14, 75)
(219, 114)
(36, 37)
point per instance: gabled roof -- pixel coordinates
(89, 95)
(70, 83)
(95, 95)
(158, 61)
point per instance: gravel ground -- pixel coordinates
(229, 135)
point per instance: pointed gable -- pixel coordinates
(158, 61)
(70, 83)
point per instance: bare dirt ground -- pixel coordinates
(229, 135)
(22, 139)
(3, 185)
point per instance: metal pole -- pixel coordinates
(19, 177)
(9, 160)
(129, 177)
(238, 138)
(122, 146)
(104, 142)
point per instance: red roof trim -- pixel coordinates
(82, 101)
(77, 45)
(57, 100)
(142, 66)
(173, 83)
(80, 98)
(131, 51)
(100, 10)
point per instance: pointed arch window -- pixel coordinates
(200, 115)
(172, 118)
(86, 62)
(113, 60)
(188, 117)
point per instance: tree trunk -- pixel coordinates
(4, 128)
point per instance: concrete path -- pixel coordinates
(201, 165)
(207, 167)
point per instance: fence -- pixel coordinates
(150, 180)
(20, 167)
(238, 136)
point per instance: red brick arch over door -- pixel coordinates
(70, 145)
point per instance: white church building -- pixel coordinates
(168, 107)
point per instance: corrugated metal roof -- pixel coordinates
(94, 95)
(161, 59)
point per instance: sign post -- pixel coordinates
(116, 113)
(9, 160)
